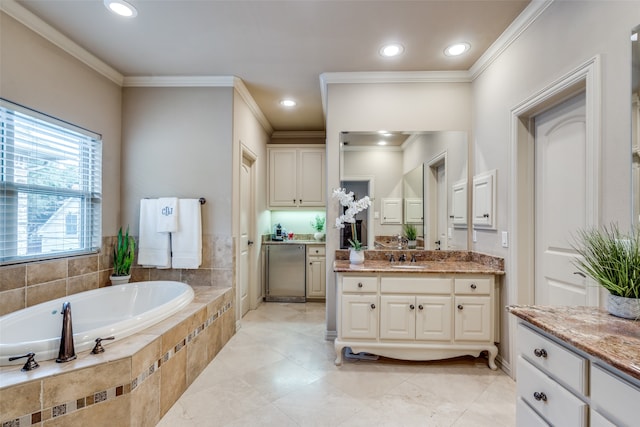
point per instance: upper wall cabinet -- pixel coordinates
(484, 200)
(459, 204)
(391, 210)
(297, 176)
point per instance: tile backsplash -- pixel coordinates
(28, 284)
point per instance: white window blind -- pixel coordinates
(50, 186)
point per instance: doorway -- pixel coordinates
(246, 291)
(436, 203)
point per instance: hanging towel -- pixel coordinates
(186, 243)
(154, 249)
(167, 211)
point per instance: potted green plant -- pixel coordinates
(411, 233)
(318, 225)
(123, 253)
(353, 207)
(612, 259)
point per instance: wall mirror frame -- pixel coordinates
(421, 169)
(635, 126)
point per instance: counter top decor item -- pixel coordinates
(123, 253)
(354, 207)
(612, 259)
(411, 233)
(318, 225)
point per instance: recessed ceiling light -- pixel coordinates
(121, 7)
(634, 37)
(391, 50)
(288, 103)
(382, 142)
(457, 49)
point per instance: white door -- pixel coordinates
(562, 200)
(442, 208)
(246, 208)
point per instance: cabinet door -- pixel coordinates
(316, 275)
(472, 318)
(282, 177)
(484, 200)
(391, 211)
(459, 204)
(433, 318)
(311, 177)
(413, 211)
(397, 317)
(359, 316)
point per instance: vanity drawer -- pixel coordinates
(614, 397)
(416, 285)
(359, 284)
(315, 250)
(527, 417)
(554, 403)
(563, 364)
(473, 285)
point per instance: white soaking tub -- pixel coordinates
(117, 311)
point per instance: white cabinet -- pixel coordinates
(458, 214)
(417, 315)
(484, 200)
(413, 211)
(391, 211)
(297, 177)
(316, 272)
(560, 386)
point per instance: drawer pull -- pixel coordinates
(373, 306)
(411, 306)
(421, 307)
(359, 284)
(473, 286)
(460, 307)
(539, 396)
(540, 352)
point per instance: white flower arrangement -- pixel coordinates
(353, 208)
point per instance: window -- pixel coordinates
(50, 186)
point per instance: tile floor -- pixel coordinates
(278, 371)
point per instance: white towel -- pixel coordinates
(167, 211)
(154, 249)
(186, 243)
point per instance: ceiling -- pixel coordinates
(279, 48)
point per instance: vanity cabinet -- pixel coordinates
(417, 316)
(560, 385)
(297, 176)
(316, 272)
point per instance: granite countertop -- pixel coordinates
(342, 266)
(294, 242)
(613, 340)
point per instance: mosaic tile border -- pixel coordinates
(66, 408)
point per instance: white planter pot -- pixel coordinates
(119, 280)
(412, 244)
(627, 308)
(318, 236)
(356, 257)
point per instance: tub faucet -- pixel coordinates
(67, 352)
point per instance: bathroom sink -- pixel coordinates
(409, 267)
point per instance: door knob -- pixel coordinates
(250, 242)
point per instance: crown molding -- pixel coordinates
(37, 25)
(179, 81)
(242, 90)
(510, 35)
(299, 134)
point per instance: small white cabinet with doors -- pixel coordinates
(417, 316)
(297, 176)
(316, 272)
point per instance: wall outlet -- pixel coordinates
(450, 233)
(475, 236)
(505, 239)
(376, 215)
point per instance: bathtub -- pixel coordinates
(117, 311)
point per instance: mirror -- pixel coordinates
(413, 178)
(635, 125)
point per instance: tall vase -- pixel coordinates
(356, 257)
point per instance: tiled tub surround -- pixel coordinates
(134, 382)
(28, 284)
(433, 262)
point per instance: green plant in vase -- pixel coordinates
(411, 233)
(354, 207)
(318, 225)
(123, 254)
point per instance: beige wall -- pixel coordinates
(41, 76)
(371, 107)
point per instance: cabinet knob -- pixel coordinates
(373, 306)
(485, 215)
(473, 286)
(539, 396)
(359, 284)
(460, 307)
(411, 306)
(540, 352)
(420, 307)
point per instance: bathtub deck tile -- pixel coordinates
(20, 400)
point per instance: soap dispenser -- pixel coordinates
(277, 232)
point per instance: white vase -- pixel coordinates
(318, 235)
(412, 244)
(356, 257)
(119, 280)
(627, 308)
